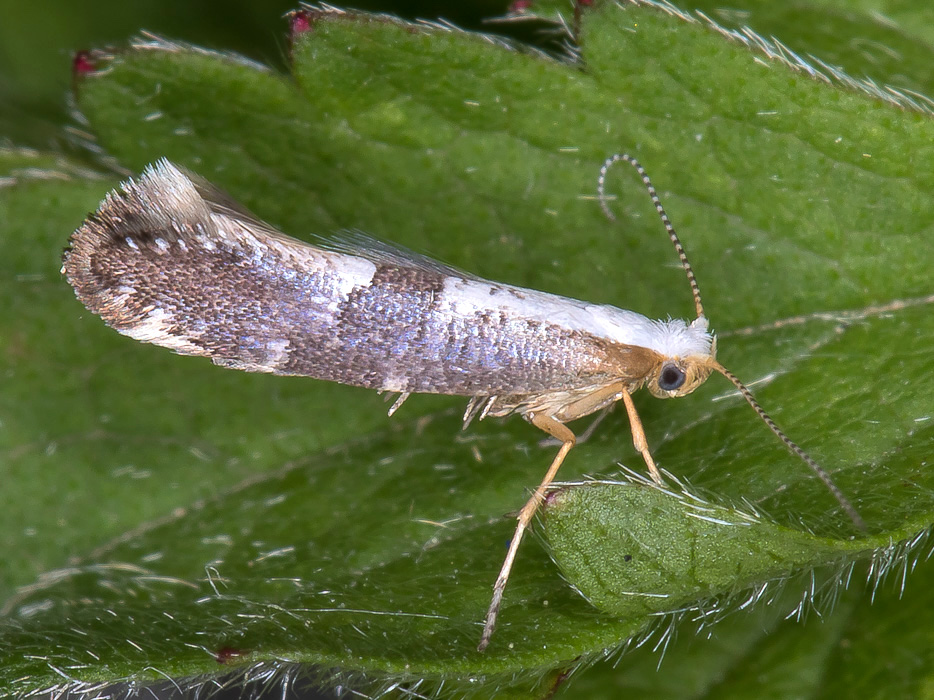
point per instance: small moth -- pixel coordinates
(173, 261)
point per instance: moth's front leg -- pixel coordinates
(638, 438)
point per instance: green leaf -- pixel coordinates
(634, 551)
(165, 518)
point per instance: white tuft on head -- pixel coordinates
(673, 338)
(676, 338)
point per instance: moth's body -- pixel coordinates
(172, 261)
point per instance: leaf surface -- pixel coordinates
(191, 520)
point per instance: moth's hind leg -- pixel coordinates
(584, 436)
(602, 398)
(564, 434)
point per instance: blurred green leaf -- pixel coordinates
(163, 517)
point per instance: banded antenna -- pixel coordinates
(712, 363)
(601, 191)
(793, 447)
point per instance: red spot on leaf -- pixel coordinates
(519, 6)
(83, 63)
(225, 655)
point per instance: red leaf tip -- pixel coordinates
(83, 63)
(301, 22)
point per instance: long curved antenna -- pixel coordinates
(601, 191)
(792, 445)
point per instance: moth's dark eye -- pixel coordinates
(671, 378)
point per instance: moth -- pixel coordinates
(171, 260)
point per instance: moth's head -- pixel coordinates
(676, 377)
(679, 373)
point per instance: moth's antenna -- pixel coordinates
(792, 445)
(601, 190)
(750, 399)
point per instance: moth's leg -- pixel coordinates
(564, 434)
(584, 436)
(600, 400)
(638, 438)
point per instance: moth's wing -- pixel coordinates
(221, 203)
(167, 203)
(363, 245)
(217, 199)
(352, 242)
(171, 260)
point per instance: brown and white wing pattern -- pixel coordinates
(171, 260)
